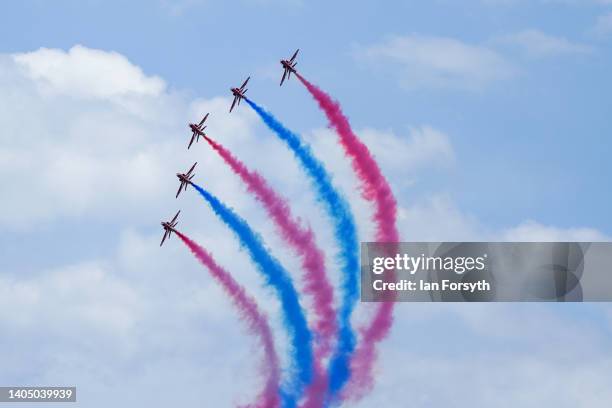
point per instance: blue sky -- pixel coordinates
(489, 117)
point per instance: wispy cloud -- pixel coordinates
(603, 25)
(439, 61)
(536, 43)
(177, 8)
(534, 231)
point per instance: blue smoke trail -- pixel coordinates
(277, 277)
(346, 234)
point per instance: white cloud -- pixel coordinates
(538, 44)
(437, 218)
(498, 379)
(520, 351)
(84, 297)
(98, 157)
(86, 72)
(423, 147)
(97, 327)
(439, 61)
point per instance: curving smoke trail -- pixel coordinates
(302, 241)
(346, 235)
(276, 277)
(256, 320)
(375, 189)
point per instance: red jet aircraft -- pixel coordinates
(239, 93)
(289, 66)
(169, 226)
(197, 130)
(185, 179)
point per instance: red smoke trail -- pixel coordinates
(313, 262)
(374, 185)
(258, 325)
(376, 190)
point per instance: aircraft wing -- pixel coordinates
(233, 103)
(245, 82)
(294, 55)
(284, 75)
(192, 139)
(192, 167)
(164, 238)
(179, 190)
(176, 216)
(203, 120)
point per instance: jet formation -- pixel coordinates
(197, 131)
